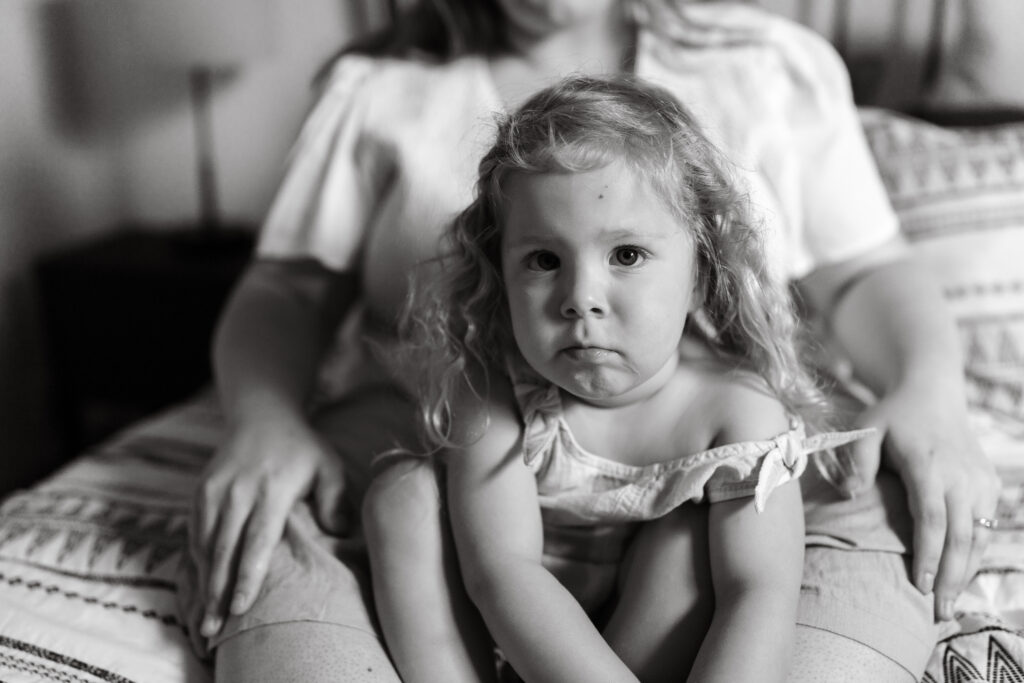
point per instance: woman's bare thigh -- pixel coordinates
(312, 652)
(820, 656)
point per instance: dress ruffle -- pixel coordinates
(578, 487)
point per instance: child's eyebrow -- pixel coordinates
(608, 235)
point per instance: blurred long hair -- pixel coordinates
(448, 29)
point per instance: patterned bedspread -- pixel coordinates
(88, 560)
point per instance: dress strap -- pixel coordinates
(540, 407)
(787, 457)
(829, 440)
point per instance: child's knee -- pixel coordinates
(684, 530)
(402, 499)
(676, 543)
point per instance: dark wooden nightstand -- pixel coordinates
(128, 320)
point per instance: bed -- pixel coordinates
(89, 557)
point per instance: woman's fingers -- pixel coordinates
(950, 579)
(328, 494)
(240, 512)
(948, 481)
(986, 491)
(200, 528)
(263, 530)
(203, 525)
(201, 522)
(947, 490)
(864, 460)
(981, 538)
(223, 551)
(926, 500)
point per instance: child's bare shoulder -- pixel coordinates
(747, 408)
(735, 403)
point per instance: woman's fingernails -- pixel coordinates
(238, 603)
(926, 583)
(211, 626)
(946, 610)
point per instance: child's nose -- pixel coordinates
(584, 296)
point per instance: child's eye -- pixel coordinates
(628, 256)
(542, 260)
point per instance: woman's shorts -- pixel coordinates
(857, 571)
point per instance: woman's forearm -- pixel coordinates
(541, 628)
(271, 337)
(896, 329)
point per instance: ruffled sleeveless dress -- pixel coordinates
(591, 505)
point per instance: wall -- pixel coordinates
(72, 165)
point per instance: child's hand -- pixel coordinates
(260, 471)
(926, 439)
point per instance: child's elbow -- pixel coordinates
(780, 590)
(776, 579)
(487, 580)
(480, 579)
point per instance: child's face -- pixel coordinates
(600, 278)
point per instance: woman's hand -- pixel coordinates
(924, 436)
(267, 352)
(888, 315)
(261, 470)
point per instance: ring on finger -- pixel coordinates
(987, 523)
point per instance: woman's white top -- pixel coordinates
(389, 153)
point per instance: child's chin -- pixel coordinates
(600, 386)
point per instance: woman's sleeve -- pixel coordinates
(844, 206)
(322, 207)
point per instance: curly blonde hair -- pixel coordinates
(459, 320)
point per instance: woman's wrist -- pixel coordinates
(265, 409)
(936, 374)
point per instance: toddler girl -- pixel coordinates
(606, 362)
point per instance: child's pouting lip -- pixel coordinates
(588, 353)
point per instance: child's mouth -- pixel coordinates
(588, 354)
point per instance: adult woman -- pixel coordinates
(388, 156)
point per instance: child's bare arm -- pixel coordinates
(756, 564)
(541, 628)
(756, 568)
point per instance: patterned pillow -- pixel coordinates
(959, 193)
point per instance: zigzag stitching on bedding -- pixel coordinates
(904, 199)
(912, 183)
(131, 581)
(969, 319)
(52, 589)
(1001, 571)
(65, 522)
(96, 520)
(986, 629)
(149, 449)
(161, 537)
(998, 288)
(921, 228)
(64, 660)
(35, 668)
(97, 494)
